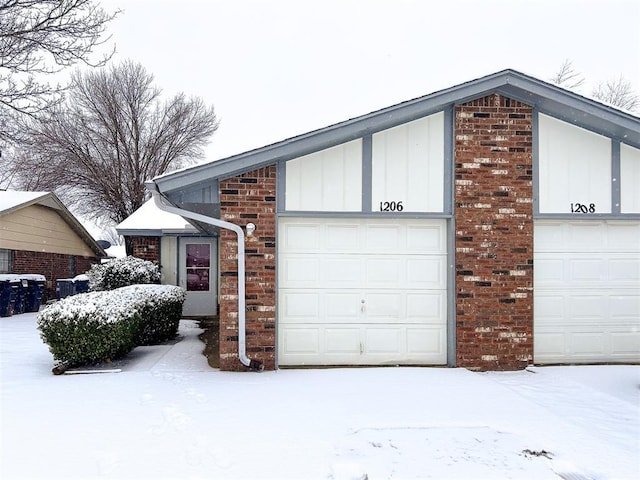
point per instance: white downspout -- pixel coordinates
(162, 204)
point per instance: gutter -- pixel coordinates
(163, 204)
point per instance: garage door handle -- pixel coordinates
(362, 308)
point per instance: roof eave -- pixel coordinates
(546, 97)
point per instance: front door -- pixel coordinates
(198, 275)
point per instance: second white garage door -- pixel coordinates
(361, 291)
(587, 291)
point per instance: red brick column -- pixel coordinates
(146, 248)
(250, 197)
(494, 234)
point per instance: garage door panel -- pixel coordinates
(302, 306)
(586, 307)
(300, 271)
(587, 344)
(380, 272)
(624, 269)
(426, 238)
(363, 345)
(340, 307)
(587, 236)
(625, 343)
(341, 237)
(586, 270)
(576, 307)
(304, 237)
(427, 341)
(341, 341)
(301, 341)
(548, 271)
(426, 308)
(586, 291)
(549, 344)
(383, 238)
(548, 306)
(383, 340)
(427, 272)
(383, 307)
(373, 291)
(341, 271)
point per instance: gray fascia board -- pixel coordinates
(139, 232)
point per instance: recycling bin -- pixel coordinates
(65, 287)
(6, 296)
(35, 291)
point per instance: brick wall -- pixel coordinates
(146, 248)
(250, 197)
(494, 234)
(52, 265)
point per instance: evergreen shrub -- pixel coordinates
(98, 326)
(122, 272)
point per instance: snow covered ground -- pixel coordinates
(167, 415)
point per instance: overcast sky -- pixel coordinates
(277, 68)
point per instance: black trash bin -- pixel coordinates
(81, 283)
(19, 293)
(6, 296)
(65, 287)
(35, 291)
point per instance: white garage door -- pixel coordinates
(361, 291)
(587, 291)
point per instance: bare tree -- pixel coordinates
(111, 134)
(567, 77)
(39, 38)
(618, 92)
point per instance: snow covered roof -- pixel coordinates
(10, 201)
(545, 97)
(150, 220)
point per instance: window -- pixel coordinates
(5, 260)
(198, 267)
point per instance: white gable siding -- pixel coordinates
(629, 179)
(574, 167)
(408, 166)
(326, 181)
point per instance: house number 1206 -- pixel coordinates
(391, 206)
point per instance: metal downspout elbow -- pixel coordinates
(162, 204)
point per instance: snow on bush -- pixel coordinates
(97, 326)
(121, 272)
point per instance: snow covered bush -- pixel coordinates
(98, 326)
(121, 272)
(161, 312)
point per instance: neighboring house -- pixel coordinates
(490, 225)
(177, 246)
(39, 235)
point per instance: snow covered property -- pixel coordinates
(491, 225)
(168, 415)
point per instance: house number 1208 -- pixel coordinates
(582, 208)
(391, 206)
